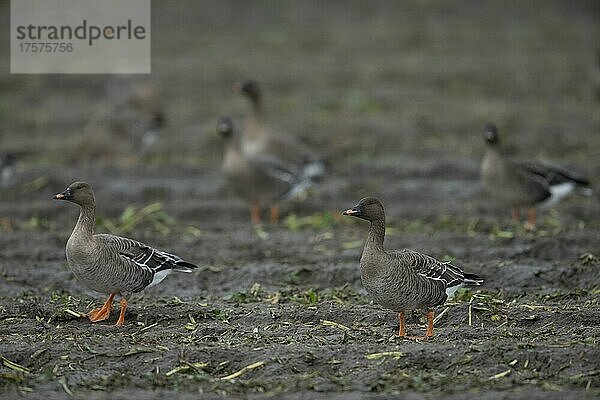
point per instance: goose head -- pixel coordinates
(225, 127)
(249, 88)
(369, 208)
(78, 192)
(490, 134)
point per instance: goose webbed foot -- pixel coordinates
(101, 314)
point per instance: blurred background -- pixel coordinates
(404, 86)
(393, 95)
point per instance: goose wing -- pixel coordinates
(534, 186)
(431, 268)
(553, 175)
(287, 175)
(147, 261)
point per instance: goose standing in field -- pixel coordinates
(257, 138)
(524, 184)
(261, 180)
(406, 279)
(111, 264)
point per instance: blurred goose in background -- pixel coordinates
(128, 125)
(111, 264)
(597, 76)
(146, 99)
(524, 184)
(262, 180)
(257, 138)
(406, 279)
(7, 169)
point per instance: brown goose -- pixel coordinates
(261, 180)
(257, 138)
(111, 264)
(404, 280)
(524, 184)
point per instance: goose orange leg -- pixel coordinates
(274, 214)
(429, 332)
(255, 213)
(531, 219)
(100, 314)
(121, 319)
(515, 214)
(402, 326)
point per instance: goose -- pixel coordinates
(146, 99)
(257, 138)
(524, 184)
(112, 264)
(402, 280)
(128, 123)
(7, 169)
(261, 180)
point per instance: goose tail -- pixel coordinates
(299, 190)
(472, 279)
(184, 266)
(586, 190)
(314, 170)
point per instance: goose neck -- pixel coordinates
(257, 109)
(376, 234)
(86, 220)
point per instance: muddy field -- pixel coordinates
(395, 97)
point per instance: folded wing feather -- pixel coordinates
(430, 268)
(152, 263)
